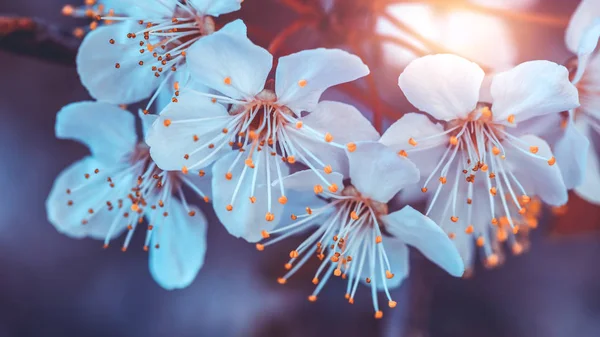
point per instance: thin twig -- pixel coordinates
(31, 37)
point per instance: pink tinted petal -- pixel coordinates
(445, 86)
(427, 153)
(532, 89)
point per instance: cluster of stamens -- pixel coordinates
(349, 243)
(91, 10)
(138, 189)
(476, 151)
(266, 135)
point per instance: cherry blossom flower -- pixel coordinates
(481, 168)
(353, 232)
(143, 55)
(264, 127)
(118, 186)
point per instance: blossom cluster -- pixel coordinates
(222, 125)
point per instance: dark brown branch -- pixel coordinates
(31, 37)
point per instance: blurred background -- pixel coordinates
(51, 285)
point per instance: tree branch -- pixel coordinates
(31, 37)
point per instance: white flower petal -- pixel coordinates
(236, 27)
(417, 230)
(299, 188)
(571, 152)
(147, 121)
(344, 122)
(182, 242)
(67, 219)
(230, 64)
(107, 130)
(96, 65)
(585, 15)
(301, 78)
(398, 255)
(246, 220)
(535, 174)
(378, 172)
(532, 89)
(427, 153)
(216, 7)
(589, 189)
(445, 86)
(188, 127)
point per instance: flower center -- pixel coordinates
(349, 243)
(130, 190)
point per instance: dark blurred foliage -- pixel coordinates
(51, 285)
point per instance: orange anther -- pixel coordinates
(378, 239)
(511, 119)
(291, 159)
(167, 122)
(552, 161)
(522, 210)
(227, 80)
(327, 169)
(333, 188)
(299, 124)
(389, 275)
(492, 260)
(454, 218)
(315, 280)
(451, 235)
(353, 215)
(454, 140)
(281, 280)
(469, 229)
(260, 247)
(534, 149)
(495, 151)
(265, 234)
(294, 254)
(283, 199)
(270, 216)
(328, 137)
(229, 208)
(412, 142)
(402, 153)
(379, 314)
(184, 170)
(443, 180)
(337, 272)
(312, 298)
(351, 147)
(517, 248)
(287, 266)
(302, 83)
(493, 191)
(228, 175)
(318, 189)
(392, 304)
(525, 199)
(424, 189)
(480, 241)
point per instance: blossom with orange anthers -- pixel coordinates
(252, 132)
(479, 152)
(353, 233)
(118, 186)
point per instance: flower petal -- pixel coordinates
(301, 78)
(182, 243)
(93, 194)
(230, 64)
(147, 121)
(378, 172)
(247, 219)
(417, 230)
(188, 127)
(397, 253)
(344, 122)
(236, 27)
(216, 7)
(107, 130)
(532, 89)
(571, 152)
(535, 174)
(445, 86)
(96, 65)
(589, 189)
(299, 188)
(583, 18)
(427, 153)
